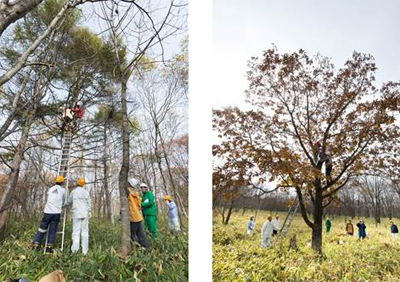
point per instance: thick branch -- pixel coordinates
(10, 13)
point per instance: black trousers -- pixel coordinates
(137, 234)
(49, 221)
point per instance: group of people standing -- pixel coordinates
(361, 228)
(141, 208)
(269, 228)
(145, 209)
(80, 210)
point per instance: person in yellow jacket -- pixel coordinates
(135, 214)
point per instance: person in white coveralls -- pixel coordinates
(266, 232)
(81, 212)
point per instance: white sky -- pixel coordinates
(335, 29)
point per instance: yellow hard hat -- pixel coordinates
(80, 182)
(167, 198)
(269, 216)
(59, 179)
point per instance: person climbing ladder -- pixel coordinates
(67, 117)
(70, 118)
(78, 112)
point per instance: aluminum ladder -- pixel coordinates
(63, 170)
(289, 217)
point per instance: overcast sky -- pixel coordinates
(335, 29)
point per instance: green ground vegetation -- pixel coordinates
(166, 261)
(239, 257)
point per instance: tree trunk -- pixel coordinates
(9, 190)
(318, 212)
(153, 169)
(105, 172)
(14, 108)
(175, 193)
(228, 216)
(223, 213)
(123, 175)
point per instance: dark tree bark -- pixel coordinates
(228, 216)
(316, 241)
(123, 175)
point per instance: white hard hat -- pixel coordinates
(143, 185)
(133, 182)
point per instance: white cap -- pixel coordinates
(143, 185)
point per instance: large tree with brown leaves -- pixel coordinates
(307, 115)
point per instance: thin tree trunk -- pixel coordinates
(14, 108)
(176, 196)
(228, 217)
(24, 56)
(105, 172)
(153, 169)
(123, 176)
(9, 190)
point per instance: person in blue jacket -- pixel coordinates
(250, 226)
(394, 230)
(361, 230)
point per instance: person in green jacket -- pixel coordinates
(328, 225)
(149, 209)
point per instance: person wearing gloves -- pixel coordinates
(51, 217)
(149, 209)
(81, 212)
(266, 232)
(135, 214)
(173, 219)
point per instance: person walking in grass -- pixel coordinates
(250, 226)
(81, 212)
(349, 228)
(361, 230)
(394, 230)
(328, 225)
(266, 232)
(149, 209)
(276, 226)
(51, 217)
